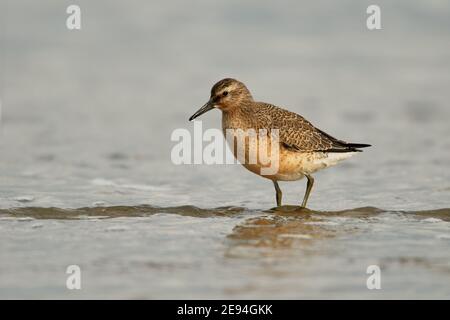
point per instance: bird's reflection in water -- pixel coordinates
(290, 227)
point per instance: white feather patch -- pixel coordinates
(333, 158)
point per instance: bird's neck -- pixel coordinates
(238, 117)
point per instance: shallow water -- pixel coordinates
(229, 252)
(86, 176)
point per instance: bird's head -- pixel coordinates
(226, 95)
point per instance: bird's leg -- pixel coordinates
(309, 186)
(279, 193)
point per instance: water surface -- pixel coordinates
(86, 176)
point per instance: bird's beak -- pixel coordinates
(208, 106)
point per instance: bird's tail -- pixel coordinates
(341, 146)
(358, 145)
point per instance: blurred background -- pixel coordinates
(86, 119)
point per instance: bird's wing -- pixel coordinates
(297, 133)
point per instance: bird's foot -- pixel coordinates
(289, 208)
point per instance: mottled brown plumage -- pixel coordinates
(296, 132)
(303, 148)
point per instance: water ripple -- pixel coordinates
(193, 211)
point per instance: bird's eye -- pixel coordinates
(225, 93)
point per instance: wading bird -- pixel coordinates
(303, 148)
